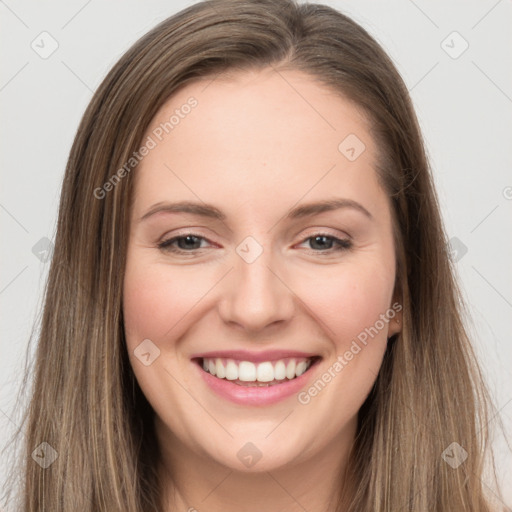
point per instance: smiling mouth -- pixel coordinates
(262, 374)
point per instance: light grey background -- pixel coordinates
(464, 103)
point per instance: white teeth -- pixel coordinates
(231, 370)
(247, 371)
(301, 368)
(220, 371)
(265, 372)
(280, 371)
(290, 369)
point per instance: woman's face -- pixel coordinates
(261, 284)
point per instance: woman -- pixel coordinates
(250, 304)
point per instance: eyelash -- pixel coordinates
(343, 244)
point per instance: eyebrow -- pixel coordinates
(210, 211)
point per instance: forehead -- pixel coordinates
(255, 137)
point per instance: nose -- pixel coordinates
(257, 295)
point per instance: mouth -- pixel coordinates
(251, 374)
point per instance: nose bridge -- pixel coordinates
(257, 297)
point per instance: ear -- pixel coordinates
(395, 323)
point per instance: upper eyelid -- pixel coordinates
(315, 230)
(303, 238)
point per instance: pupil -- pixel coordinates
(188, 242)
(321, 237)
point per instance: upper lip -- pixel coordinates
(255, 357)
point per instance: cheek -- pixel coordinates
(156, 300)
(351, 298)
(350, 304)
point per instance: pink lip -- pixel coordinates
(255, 396)
(255, 357)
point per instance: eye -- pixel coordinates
(186, 243)
(323, 243)
(189, 243)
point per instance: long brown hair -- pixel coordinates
(85, 402)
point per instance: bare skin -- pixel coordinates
(255, 149)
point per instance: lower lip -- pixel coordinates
(254, 396)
